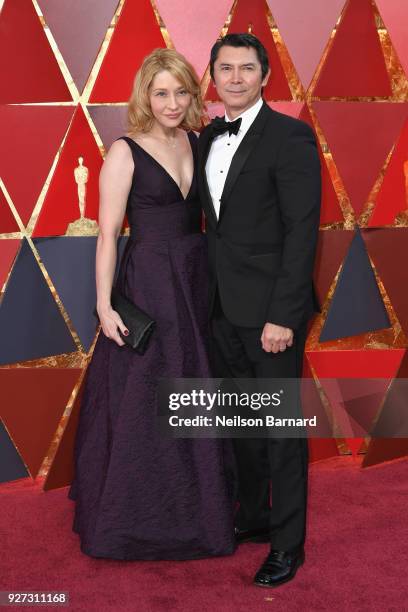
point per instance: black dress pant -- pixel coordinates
(268, 468)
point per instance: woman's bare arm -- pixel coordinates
(115, 182)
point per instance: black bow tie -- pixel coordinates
(219, 126)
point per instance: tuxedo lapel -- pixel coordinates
(206, 146)
(242, 153)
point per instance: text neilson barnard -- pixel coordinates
(238, 421)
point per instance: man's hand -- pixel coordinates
(276, 338)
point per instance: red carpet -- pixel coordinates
(356, 553)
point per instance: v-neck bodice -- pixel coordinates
(166, 172)
(156, 207)
(152, 180)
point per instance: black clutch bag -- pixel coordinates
(137, 321)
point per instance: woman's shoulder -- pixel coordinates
(120, 151)
(123, 141)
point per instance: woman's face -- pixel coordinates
(169, 100)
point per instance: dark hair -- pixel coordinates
(241, 40)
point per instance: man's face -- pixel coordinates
(238, 78)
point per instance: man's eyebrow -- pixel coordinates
(240, 65)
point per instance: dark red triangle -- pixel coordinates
(30, 414)
(388, 248)
(79, 29)
(61, 472)
(385, 449)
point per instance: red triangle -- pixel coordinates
(388, 248)
(355, 64)
(348, 127)
(253, 15)
(356, 364)
(8, 251)
(31, 136)
(8, 224)
(393, 195)
(30, 72)
(60, 206)
(32, 416)
(354, 445)
(330, 209)
(136, 34)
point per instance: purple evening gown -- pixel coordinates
(138, 494)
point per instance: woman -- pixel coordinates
(140, 495)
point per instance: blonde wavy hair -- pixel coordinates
(140, 117)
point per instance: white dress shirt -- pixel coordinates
(222, 151)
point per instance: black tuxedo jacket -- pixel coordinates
(262, 247)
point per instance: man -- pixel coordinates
(260, 188)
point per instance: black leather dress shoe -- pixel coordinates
(279, 567)
(261, 534)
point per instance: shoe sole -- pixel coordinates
(278, 584)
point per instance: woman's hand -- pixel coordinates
(110, 322)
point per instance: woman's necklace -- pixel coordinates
(171, 143)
